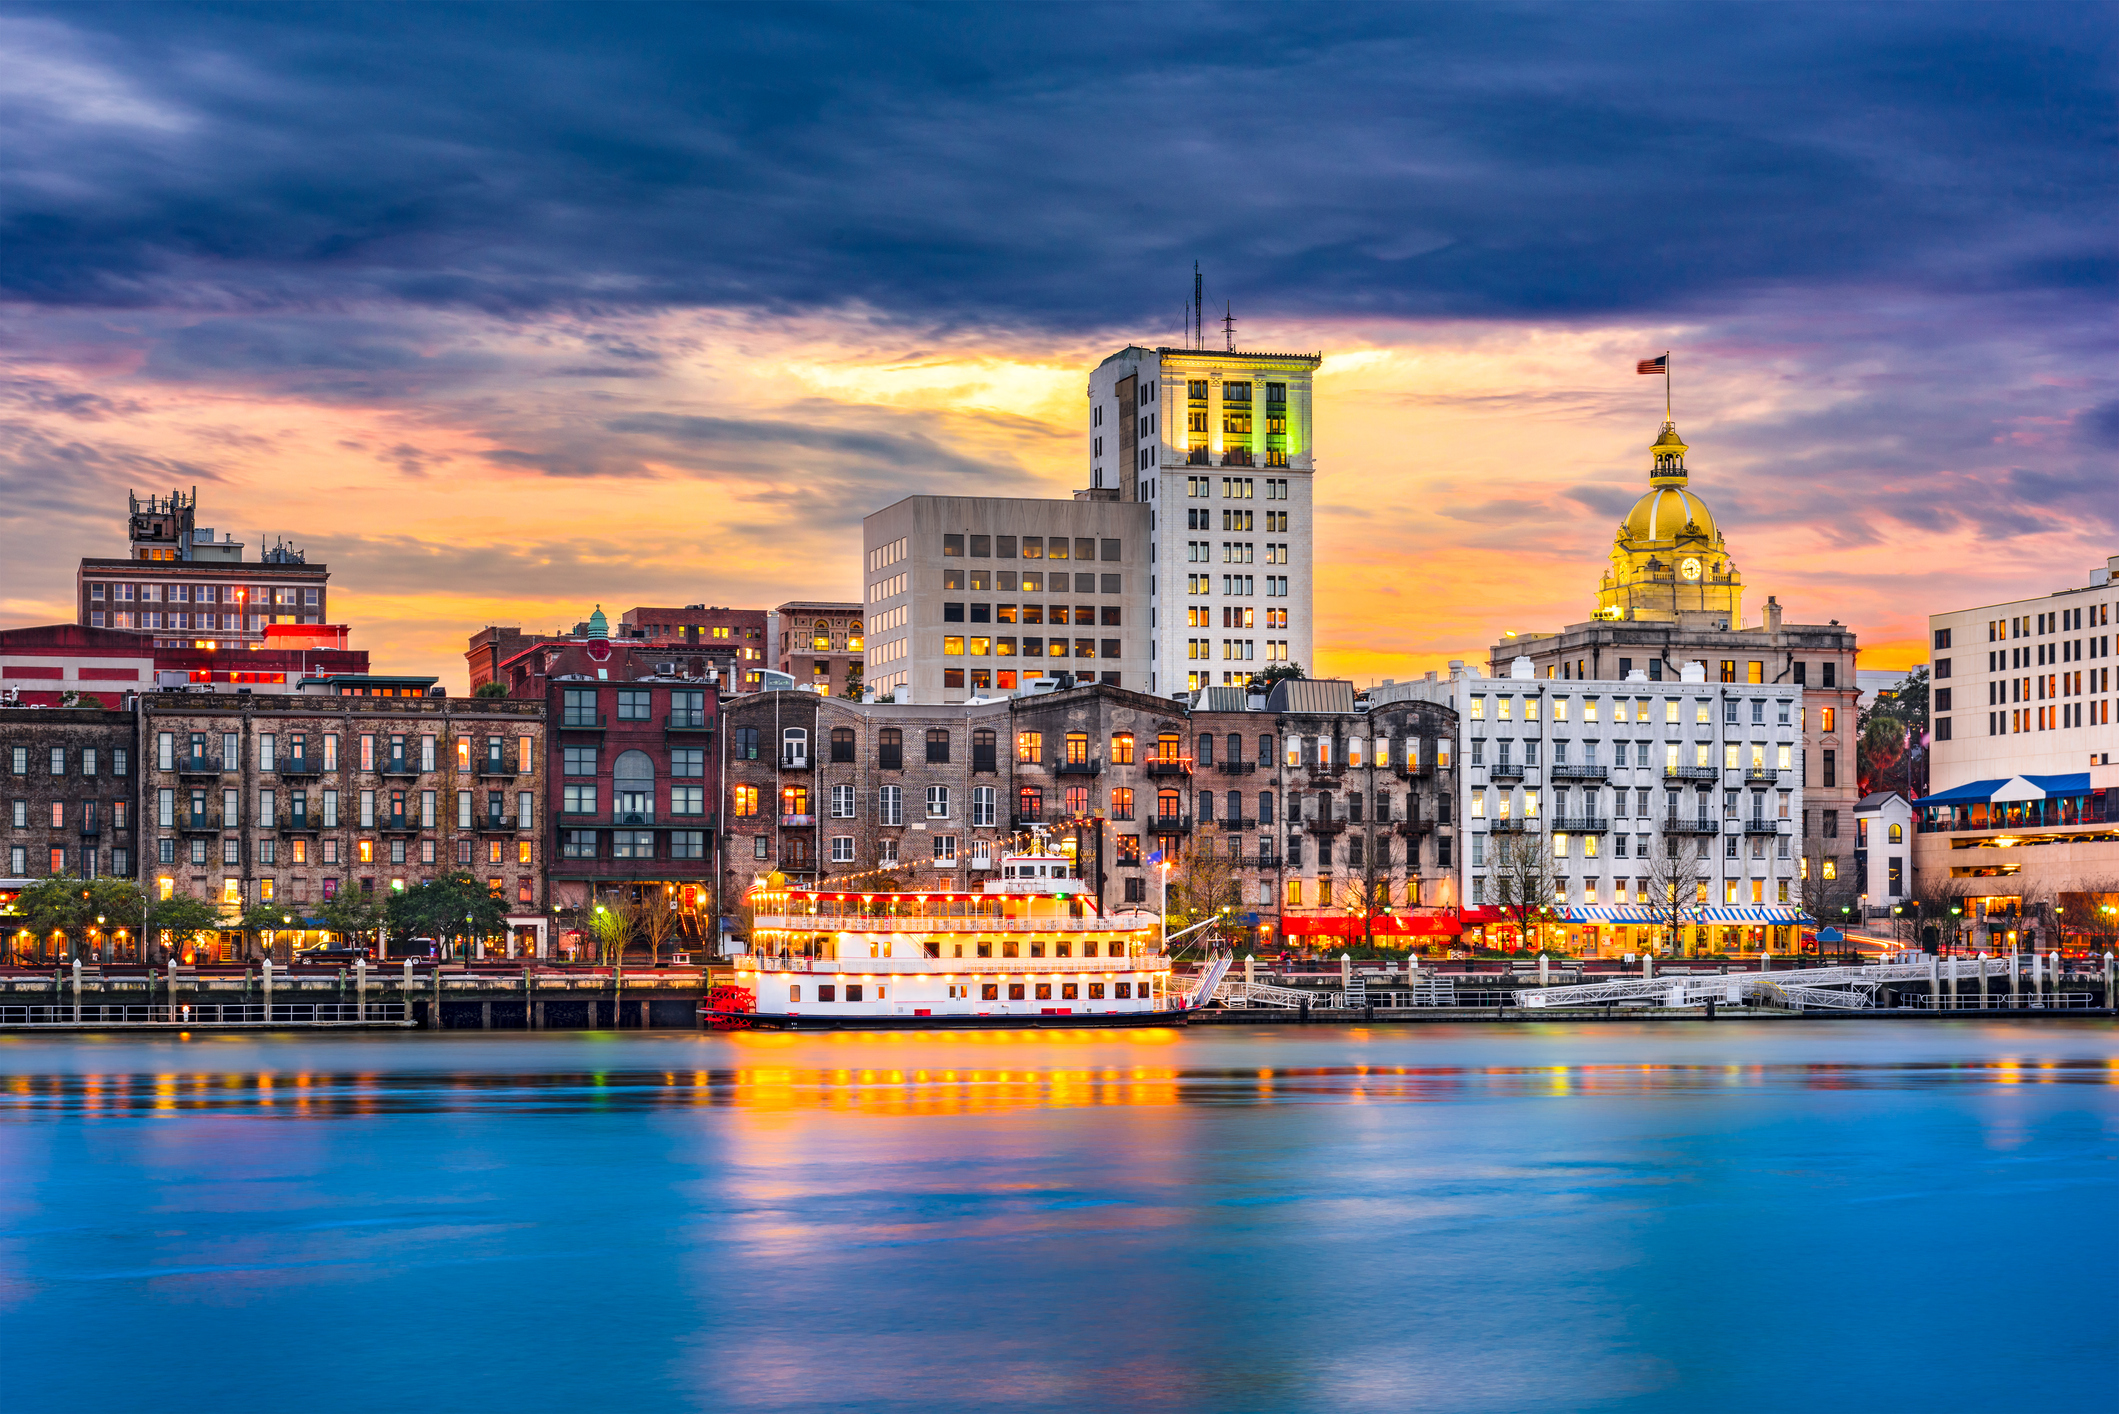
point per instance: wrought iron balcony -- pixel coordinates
(299, 822)
(571, 721)
(1079, 768)
(1691, 773)
(1691, 825)
(1231, 823)
(198, 822)
(1581, 773)
(198, 765)
(1173, 824)
(1506, 771)
(1412, 769)
(1760, 775)
(1159, 767)
(303, 765)
(1324, 825)
(502, 824)
(1514, 825)
(1580, 825)
(1763, 825)
(491, 765)
(1238, 768)
(399, 766)
(1413, 829)
(697, 721)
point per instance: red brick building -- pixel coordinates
(634, 784)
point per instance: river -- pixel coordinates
(1811, 1216)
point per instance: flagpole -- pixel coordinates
(1666, 385)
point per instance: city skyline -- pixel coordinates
(516, 353)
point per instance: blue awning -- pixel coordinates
(1970, 793)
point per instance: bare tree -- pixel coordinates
(1828, 893)
(1524, 881)
(1204, 883)
(656, 919)
(1942, 904)
(2088, 910)
(1675, 875)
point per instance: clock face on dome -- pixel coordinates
(1690, 569)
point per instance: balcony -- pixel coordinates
(495, 824)
(1079, 768)
(688, 722)
(198, 822)
(496, 766)
(794, 761)
(1515, 825)
(1691, 825)
(301, 766)
(1266, 860)
(638, 817)
(1410, 770)
(198, 766)
(1238, 768)
(397, 824)
(1413, 829)
(398, 766)
(1580, 825)
(1231, 824)
(571, 721)
(1324, 825)
(1761, 825)
(1025, 819)
(1691, 773)
(301, 823)
(1160, 767)
(1761, 776)
(1173, 825)
(789, 822)
(90, 827)
(1506, 771)
(1581, 773)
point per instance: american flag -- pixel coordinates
(1660, 364)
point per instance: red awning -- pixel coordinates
(1389, 925)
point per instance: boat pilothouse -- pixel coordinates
(1030, 949)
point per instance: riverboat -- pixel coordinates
(1032, 949)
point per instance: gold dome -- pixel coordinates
(1668, 557)
(1664, 515)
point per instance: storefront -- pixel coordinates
(1617, 930)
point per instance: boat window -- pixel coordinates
(1088, 949)
(985, 949)
(1037, 949)
(1063, 949)
(1011, 949)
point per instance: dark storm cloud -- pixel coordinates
(1047, 165)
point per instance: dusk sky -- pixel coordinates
(508, 312)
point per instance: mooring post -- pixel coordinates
(2108, 1004)
(1934, 981)
(77, 991)
(434, 1020)
(2015, 977)
(172, 985)
(268, 991)
(2055, 970)
(1544, 970)
(529, 1007)
(1982, 981)
(360, 987)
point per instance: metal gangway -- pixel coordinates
(1425, 991)
(1849, 988)
(1209, 981)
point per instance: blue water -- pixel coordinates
(1685, 1217)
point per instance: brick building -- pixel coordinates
(820, 643)
(292, 798)
(55, 663)
(179, 587)
(733, 641)
(633, 777)
(70, 776)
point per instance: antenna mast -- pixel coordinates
(1198, 299)
(1228, 327)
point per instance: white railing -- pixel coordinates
(804, 923)
(209, 1014)
(954, 966)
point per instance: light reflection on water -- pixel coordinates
(1461, 1217)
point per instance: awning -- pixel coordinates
(1612, 913)
(1750, 915)
(1393, 925)
(2011, 788)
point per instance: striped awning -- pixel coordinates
(1611, 913)
(1753, 914)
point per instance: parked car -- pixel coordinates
(333, 954)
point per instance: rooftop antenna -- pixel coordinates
(1198, 299)
(1228, 327)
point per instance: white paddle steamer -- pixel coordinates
(1032, 949)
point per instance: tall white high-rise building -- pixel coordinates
(1221, 447)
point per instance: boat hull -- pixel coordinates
(1078, 1021)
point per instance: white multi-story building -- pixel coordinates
(2022, 787)
(1603, 772)
(1220, 446)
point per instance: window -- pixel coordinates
(945, 851)
(890, 805)
(938, 745)
(842, 744)
(938, 802)
(953, 547)
(1122, 749)
(744, 801)
(1122, 802)
(578, 760)
(794, 804)
(983, 805)
(1029, 748)
(743, 744)
(1030, 804)
(794, 746)
(634, 706)
(578, 709)
(842, 802)
(984, 752)
(890, 749)
(842, 849)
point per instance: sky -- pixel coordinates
(508, 312)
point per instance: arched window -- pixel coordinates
(794, 746)
(1898, 834)
(1169, 805)
(820, 639)
(633, 788)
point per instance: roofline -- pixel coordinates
(1312, 359)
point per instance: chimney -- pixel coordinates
(1773, 614)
